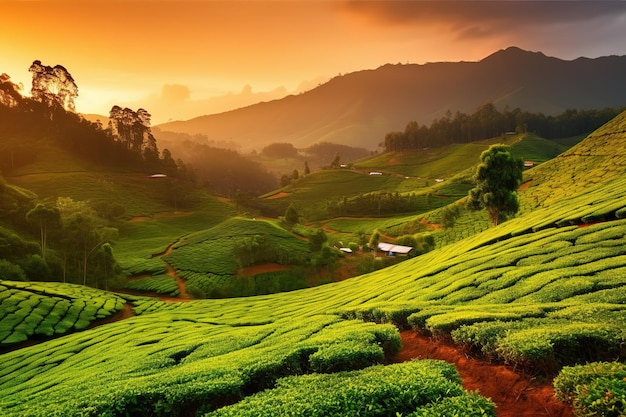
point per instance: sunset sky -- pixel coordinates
(181, 59)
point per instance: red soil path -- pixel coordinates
(524, 185)
(514, 393)
(259, 269)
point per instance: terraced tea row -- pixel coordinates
(172, 361)
(30, 310)
(538, 289)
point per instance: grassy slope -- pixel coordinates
(540, 277)
(405, 172)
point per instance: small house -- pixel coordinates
(392, 250)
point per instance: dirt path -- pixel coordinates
(515, 394)
(183, 295)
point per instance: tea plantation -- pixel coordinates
(545, 291)
(534, 291)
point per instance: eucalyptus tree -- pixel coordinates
(83, 233)
(53, 86)
(9, 92)
(45, 218)
(132, 129)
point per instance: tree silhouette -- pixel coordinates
(497, 177)
(132, 129)
(53, 86)
(9, 92)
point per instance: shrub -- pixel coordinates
(11, 272)
(595, 389)
(345, 356)
(397, 389)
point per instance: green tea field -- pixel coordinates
(544, 292)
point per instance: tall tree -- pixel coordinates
(132, 129)
(53, 85)
(83, 232)
(497, 177)
(9, 92)
(44, 217)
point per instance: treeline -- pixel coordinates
(488, 122)
(73, 240)
(383, 204)
(28, 123)
(319, 153)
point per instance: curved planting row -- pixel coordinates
(213, 251)
(160, 284)
(173, 363)
(29, 309)
(538, 289)
(418, 388)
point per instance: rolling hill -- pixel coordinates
(359, 108)
(543, 291)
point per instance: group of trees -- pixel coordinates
(74, 242)
(487, 122)
(53, 86)
(132, 129)
(50, 112)
(379, 204)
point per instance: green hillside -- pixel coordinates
(209, 260)
(542, 291)
(441, 172)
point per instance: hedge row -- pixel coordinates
(46, 309)
(417, 388)
(167, 368)
(161, 284)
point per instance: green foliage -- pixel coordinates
(421, 387)
(538, 289)
(487, 122)
(594, 389)
(45, 309)
(449, 214)
(11, 272)
(498, 176)
(161, 284)
(224, 286)
(291, 215)
(317, 238)
(214, 255)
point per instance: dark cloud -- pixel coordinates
(482, 18)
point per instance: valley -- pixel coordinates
(129, 286)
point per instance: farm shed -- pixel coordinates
(393, 250)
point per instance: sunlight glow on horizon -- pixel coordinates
(125, 53)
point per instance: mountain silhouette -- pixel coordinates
(359, 108)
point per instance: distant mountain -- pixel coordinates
(359, 108)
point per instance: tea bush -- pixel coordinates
(420, 387)
(160, 284)
(594, 389)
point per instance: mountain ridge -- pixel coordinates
(359, 108)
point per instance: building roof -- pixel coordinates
(390, 247)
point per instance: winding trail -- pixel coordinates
(514, 393)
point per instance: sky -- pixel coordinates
(181, 59)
